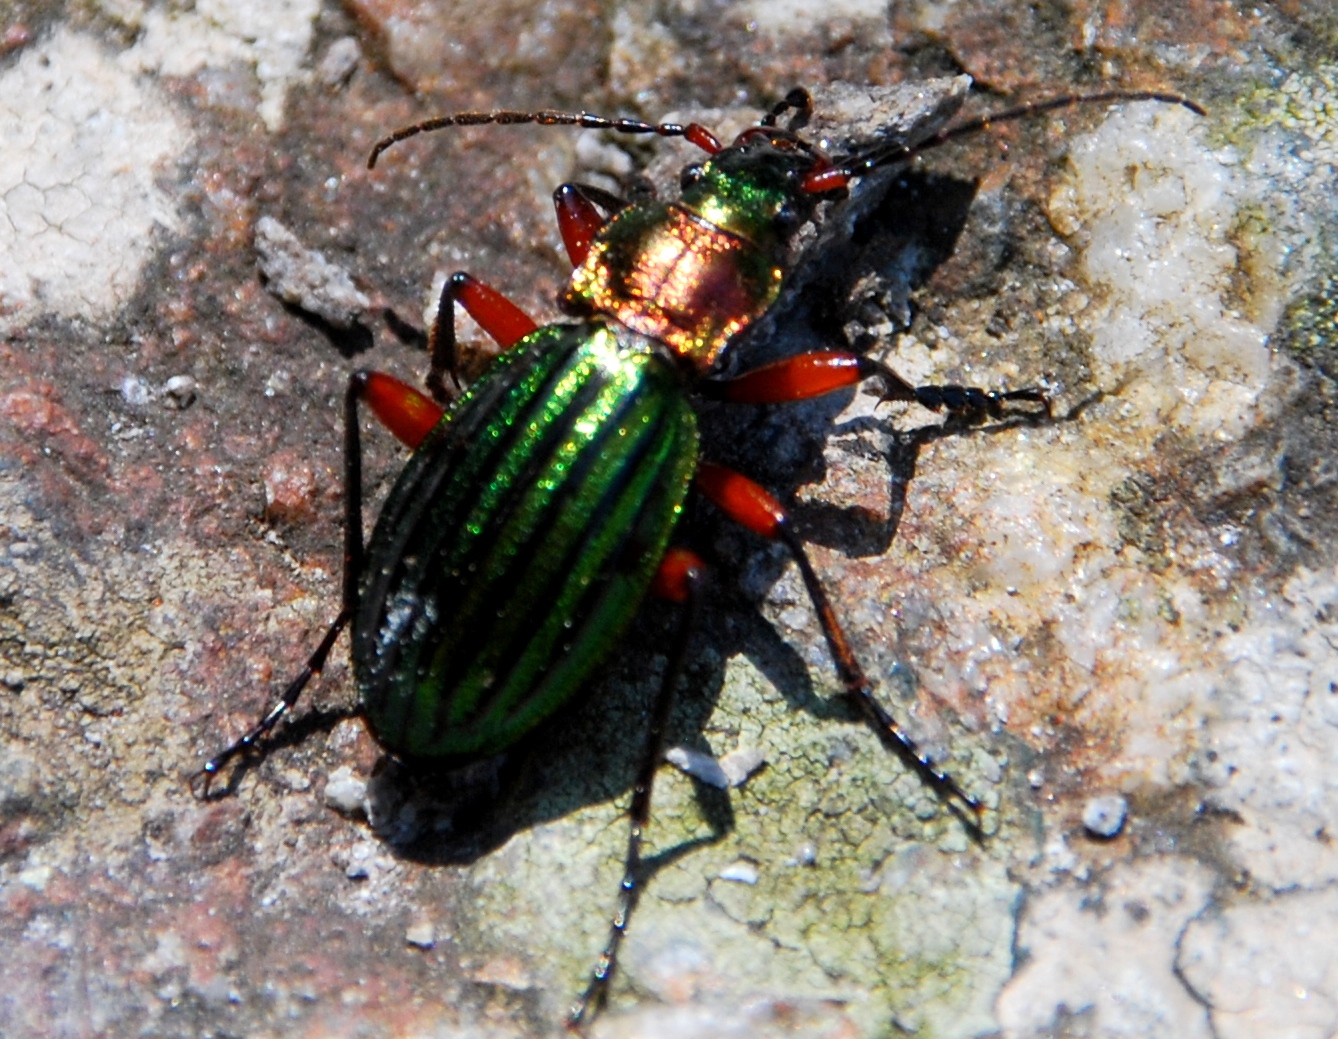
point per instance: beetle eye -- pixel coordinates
(690, 175)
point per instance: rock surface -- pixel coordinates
(1138, 600)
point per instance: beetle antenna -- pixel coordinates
(889, 153)
(692, 132)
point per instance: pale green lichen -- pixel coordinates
(1310, 327)
(1305, 107)
(1308, 102)
(867, 892)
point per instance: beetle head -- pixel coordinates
(758, 187)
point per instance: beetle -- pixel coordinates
(539, 504)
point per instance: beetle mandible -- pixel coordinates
(538, 506)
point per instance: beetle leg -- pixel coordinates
(314, 665)
(814, 374)
(403, 410)
(679, 579)
(795, 378)
(799, 101)
(579, 217)
(749, 504)
(679, 572)
(360, 384)
(505, 322)
(969, 402)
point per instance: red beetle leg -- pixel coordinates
(403, 410)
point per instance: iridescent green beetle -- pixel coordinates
(538, 506)
(519, 540)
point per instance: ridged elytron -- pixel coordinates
(537, 508)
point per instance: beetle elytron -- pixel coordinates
(538, 506)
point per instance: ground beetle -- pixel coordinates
(539, 503)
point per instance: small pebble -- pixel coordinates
(739, 764)
(344, 792)
(340, 62)
(1104, 816)
(421, 933)
(360, 861)
(729, 771)
(135, 391)
(180, 391)
(741, 872)
(35, 877)
(295, 779)
(305, 279)
(698, 766)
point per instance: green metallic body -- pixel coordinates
(519, 540)
(525, 530)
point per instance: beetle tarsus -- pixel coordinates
(629, 892)
(799, 101)
(966, 402)
(970, 402)
(860, 689)
(315, 663)
(887, 727)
